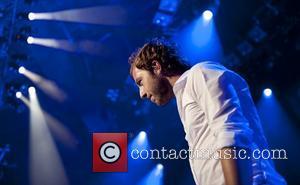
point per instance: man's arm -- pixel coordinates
(217, 89)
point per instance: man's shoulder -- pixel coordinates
(208, 65)
(207, 68)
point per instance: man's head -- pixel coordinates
(152, 67)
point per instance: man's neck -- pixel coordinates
(172, 80)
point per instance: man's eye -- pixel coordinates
(140, 82)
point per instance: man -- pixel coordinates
(216, 109)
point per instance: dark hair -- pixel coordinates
(165, 52)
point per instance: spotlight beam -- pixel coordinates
(155, 176)
(47, 86)
(45, 163)
(25, 101)
(83, 46)
(106, 15)
(57, 128)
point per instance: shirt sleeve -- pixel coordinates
(216, 90)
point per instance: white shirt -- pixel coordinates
(217, 111)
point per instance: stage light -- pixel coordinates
(159, 170)
(159, 166)
(200, 39)
(11, 96)
(207, 15)
(31, 16)
(82, 46)
(31, 90)
(106, 15)
(142, 135)
(140, 142)
(30, 40)
(18, 94)
(21, 70)
(141, 138)
(267, 92)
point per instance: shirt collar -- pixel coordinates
(180, 82)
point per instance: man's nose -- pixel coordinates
(142, 94)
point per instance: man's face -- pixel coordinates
(153, 86)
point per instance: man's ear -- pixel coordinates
(156, 67)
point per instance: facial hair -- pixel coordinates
(162, 90)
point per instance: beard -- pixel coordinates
(162, 91)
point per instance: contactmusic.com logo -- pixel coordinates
(109, 152)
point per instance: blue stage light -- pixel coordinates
(18, 94)
(31, 90)
(207, 15)
(267, 92)
(31, 16)
(30, 40)
(21, 70)
(159, 166)
(159, 170)
(142, 137)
